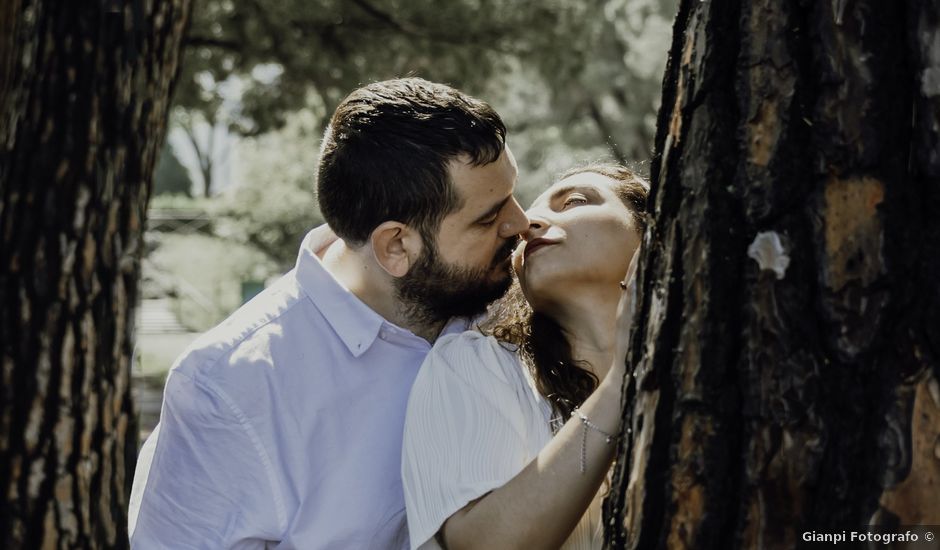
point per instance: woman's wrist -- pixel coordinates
(610, 388)
(617, 372)
(605, 411)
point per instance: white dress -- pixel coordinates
(474, 421)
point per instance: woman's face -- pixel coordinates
(581, 235)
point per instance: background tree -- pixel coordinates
(575, 81)
(590, 60)
(170, 176)
(207, 133)
(276, 203)
(84, 99)
(786, 372)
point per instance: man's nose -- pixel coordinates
(515, 223)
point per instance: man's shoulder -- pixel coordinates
(249, 327)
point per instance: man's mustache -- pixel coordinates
(506, 250)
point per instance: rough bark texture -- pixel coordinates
(761, 404)
(84, 100)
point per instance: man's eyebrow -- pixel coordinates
(493, 210)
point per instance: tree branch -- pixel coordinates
(385, 17)
(210, 42)
(485, 42)
(605, 131)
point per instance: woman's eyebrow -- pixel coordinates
(569, 188)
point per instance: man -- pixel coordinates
(282, 426)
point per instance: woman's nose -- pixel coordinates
(537, 227)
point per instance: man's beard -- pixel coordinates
(433, 291)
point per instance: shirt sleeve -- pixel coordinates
(465, 431)
(202, 478)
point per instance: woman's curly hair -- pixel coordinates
(540, 342)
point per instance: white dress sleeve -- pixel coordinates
(465, 430)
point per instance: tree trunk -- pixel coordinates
(204, 155)
(84, 102)
(787, 362)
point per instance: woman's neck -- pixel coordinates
(588, 318)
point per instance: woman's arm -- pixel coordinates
(541, 506)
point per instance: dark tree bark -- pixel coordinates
(765, 403)
(84, 100)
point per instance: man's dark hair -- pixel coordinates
(385, 154)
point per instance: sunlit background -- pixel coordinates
(575, 81)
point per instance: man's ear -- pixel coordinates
(395, 246)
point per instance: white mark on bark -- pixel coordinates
(6, 416)
(82, 196)
(933, 387)
(37, 410)
(26, 314)
(838, 10)
(767, 250)
(930, 82)
(67, 249)
(37, 474)
(930, 50)
(50, 534)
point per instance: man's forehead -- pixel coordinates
(481, 183)
(505, 160)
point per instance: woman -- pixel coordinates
(509, 436)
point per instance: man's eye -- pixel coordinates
(487, 223)
(575, 199)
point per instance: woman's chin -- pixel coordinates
(540, 287)
(553, 286)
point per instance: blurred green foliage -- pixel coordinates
(596, 63)
(203, 275)
(179, 201)
(276, 204)
(575, 81)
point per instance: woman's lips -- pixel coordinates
(534, 245)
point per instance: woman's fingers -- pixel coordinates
(631, 269)
(626, 310)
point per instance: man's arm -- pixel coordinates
(203, 480)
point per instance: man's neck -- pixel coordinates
(366, 282)
(429, 332)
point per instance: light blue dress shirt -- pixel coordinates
(282, 427)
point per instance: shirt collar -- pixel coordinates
(356, 324)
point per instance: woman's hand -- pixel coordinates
(542, 504)
(625, 313)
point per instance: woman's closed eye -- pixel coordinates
(575, 198)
